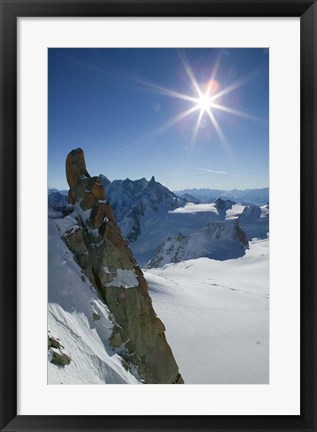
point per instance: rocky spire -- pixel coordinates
(75, 169)
(152, 182)
(99, 248)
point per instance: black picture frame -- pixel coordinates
(10, 11)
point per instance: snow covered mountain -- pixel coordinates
(219, 241)
(134, 201)
(247, 196)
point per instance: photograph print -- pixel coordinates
(158, 216)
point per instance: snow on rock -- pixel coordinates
(251, 211)
(71, 304)
(125, 279)
(254, 221)
(265, 210)
(84, 214)
(216, 315)
(67, 225)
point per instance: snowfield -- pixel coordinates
(196, 208)
(216, 315)
(235, 211)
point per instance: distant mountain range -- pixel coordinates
(247, 196)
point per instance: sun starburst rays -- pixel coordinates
(206, 97)
(219, 132)
(163, 91)
(206, 100)
(197, 126)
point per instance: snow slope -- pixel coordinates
(72, 305)
(216, 315)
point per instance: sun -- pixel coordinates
(204, 102)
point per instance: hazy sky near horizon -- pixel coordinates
(143, 112)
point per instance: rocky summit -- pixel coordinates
(95, 239)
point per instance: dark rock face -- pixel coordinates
(103, 254)
(239, 235)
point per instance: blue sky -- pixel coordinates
(190, 117)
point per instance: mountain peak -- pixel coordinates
(75, 169)
(92, 234)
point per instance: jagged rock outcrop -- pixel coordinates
(56, 355)
(222, 206)
(100, 250)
